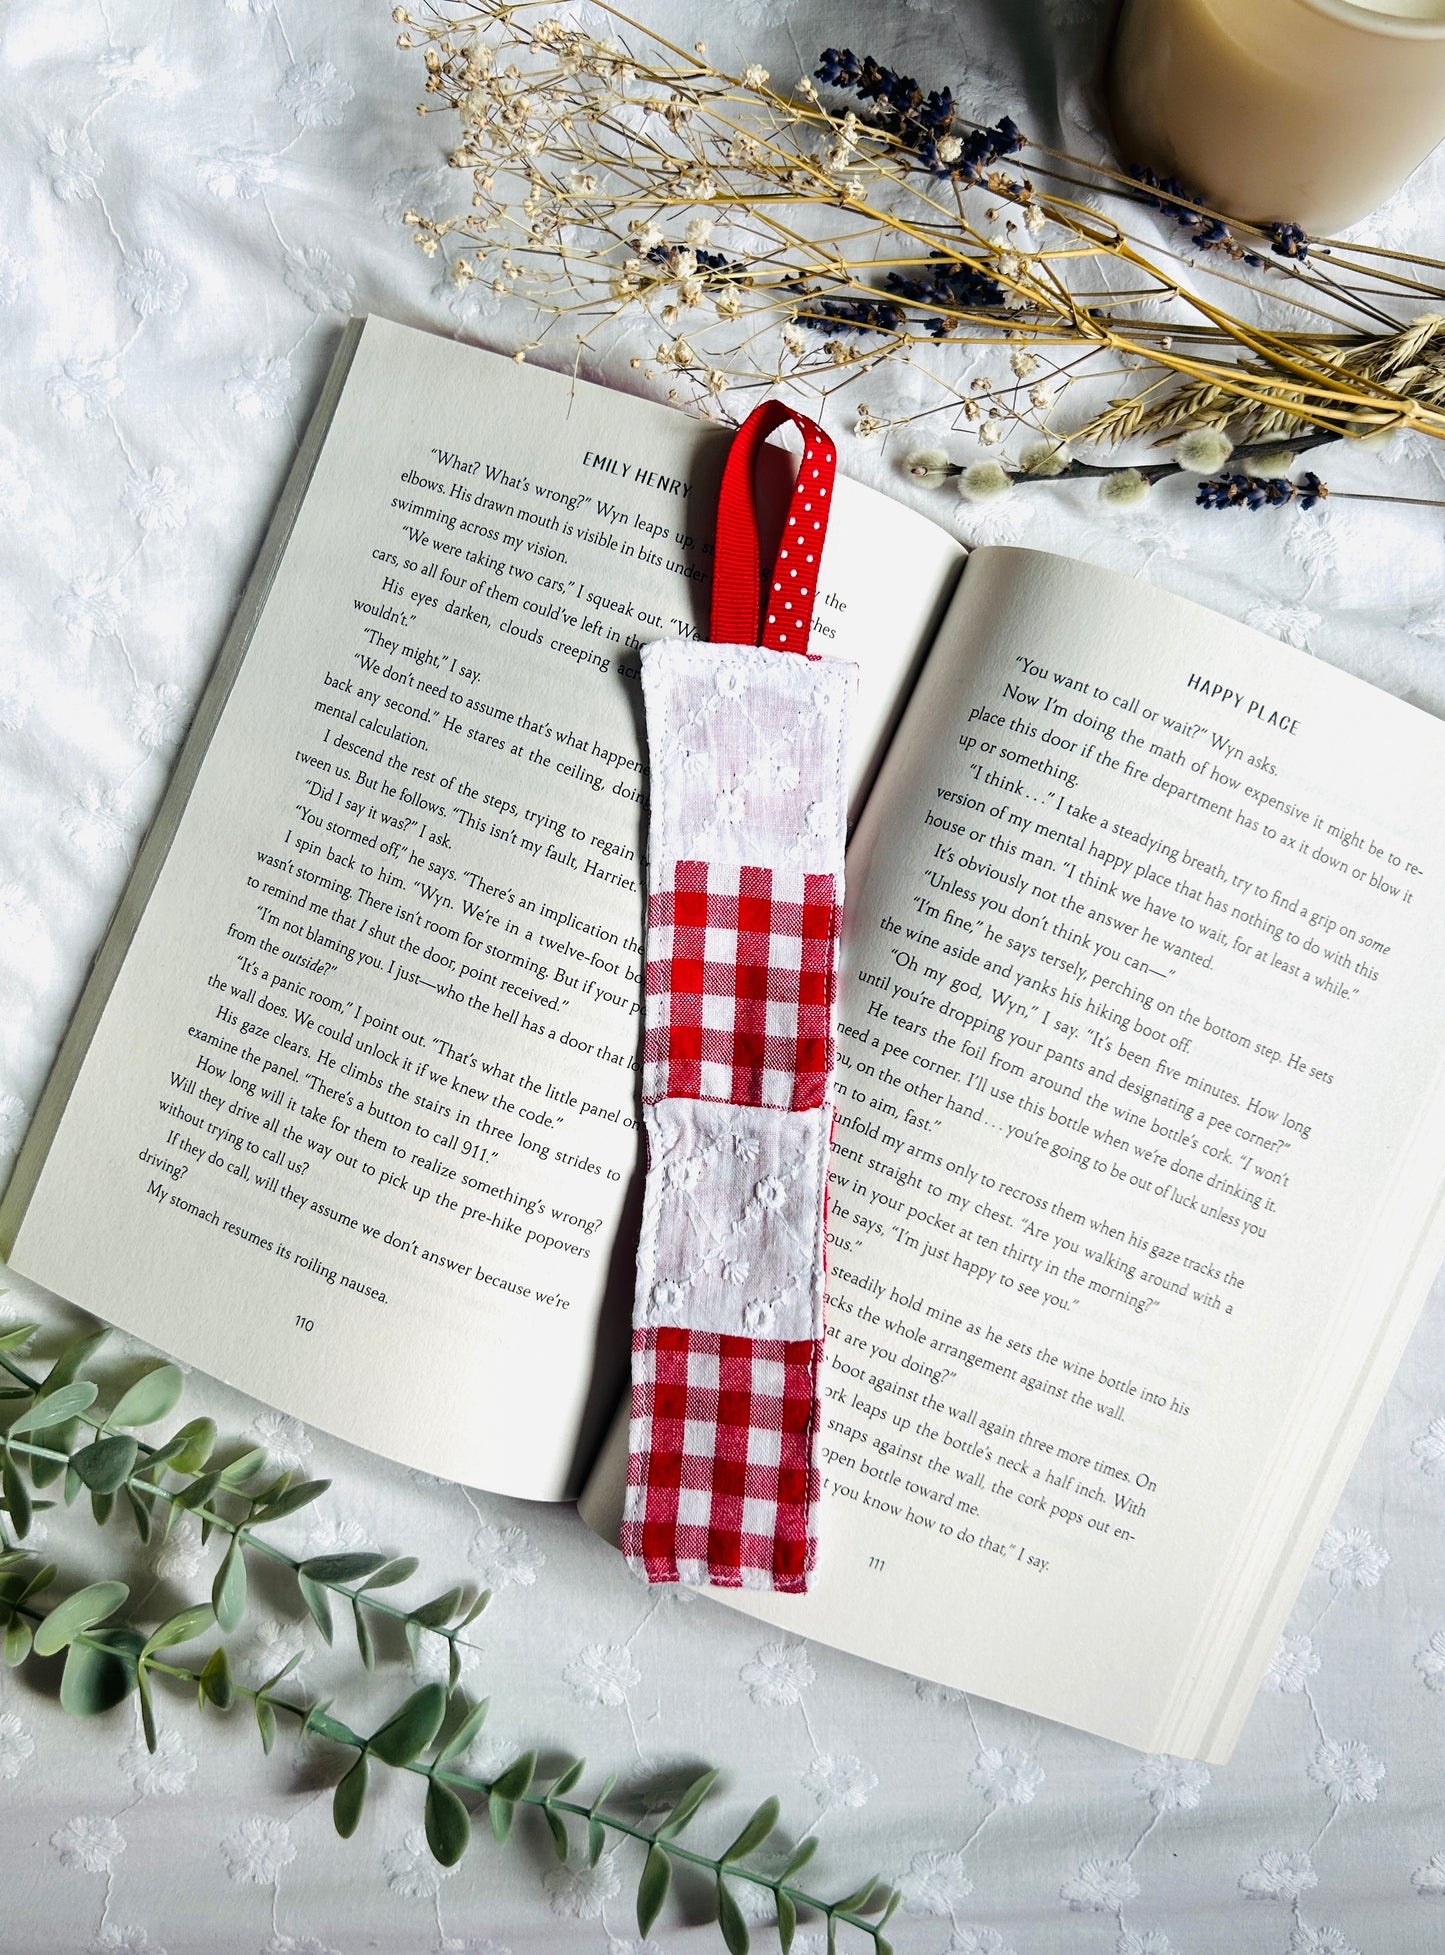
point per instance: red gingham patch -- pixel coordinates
(741, 981)
(722, 1479)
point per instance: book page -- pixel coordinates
(1138, 1154)
(356, 1128)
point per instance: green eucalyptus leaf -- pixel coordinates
(801, 1854)
(140, 1508)
(290, 1501)
(102, 1506)
(243, 1468)
(476, 1609)
(66, 1403)
(215, 1684)
(755, 1832)
(857, 1901)
(17, 1641)
(517, 1778)
(181, 1628)
(332, 1569)
(440, 1610)
(228, 1594)
(465, 1733)
(198, 1492)
(266, 1723)
(787, 1921)
(60, 1439)
(189, 1449)
(882, 1945)
(38, 1582)
(448, 1824)
(317, 1601)
(286, 1668)
(407, 1735)
(686, 1806)
(105, 1464)
(14, 1574)
(555, 1827)
(350, 1797)
(413, 1638)
(652, 1888)
(454, 1664)
(606, 1787)
(400, 1570)
(568, 1779)
(365, 1647)
(98, 1676)
(596, 1841)
(77, 1613)
(147, 1708)
(150, 1398)
(75, 1354)
(730, 1920)
(263, 1496)
(18, 1334)
(892, 1908)
(73, 1484)
(17, 1497)
(500, 1811)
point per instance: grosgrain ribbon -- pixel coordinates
(739, 616)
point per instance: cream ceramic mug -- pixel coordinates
(1307, 111)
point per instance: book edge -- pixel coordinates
(1219, 1724)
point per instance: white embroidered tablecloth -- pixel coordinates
(193, 197)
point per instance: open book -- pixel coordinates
(1137, 1182)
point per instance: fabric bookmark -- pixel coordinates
(745, 886)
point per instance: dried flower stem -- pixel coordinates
(772, 237)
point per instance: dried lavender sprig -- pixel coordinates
(1239, 491)
(736, 142)
(922, 123)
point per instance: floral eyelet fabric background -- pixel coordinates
(192, 199)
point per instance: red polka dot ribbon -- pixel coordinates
(747, 825)
(740, 616)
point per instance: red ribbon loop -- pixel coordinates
(741, 613)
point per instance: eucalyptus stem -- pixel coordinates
(310, 1573)
(108, 1659)
(420, 1721)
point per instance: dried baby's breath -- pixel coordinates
(859, 220)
